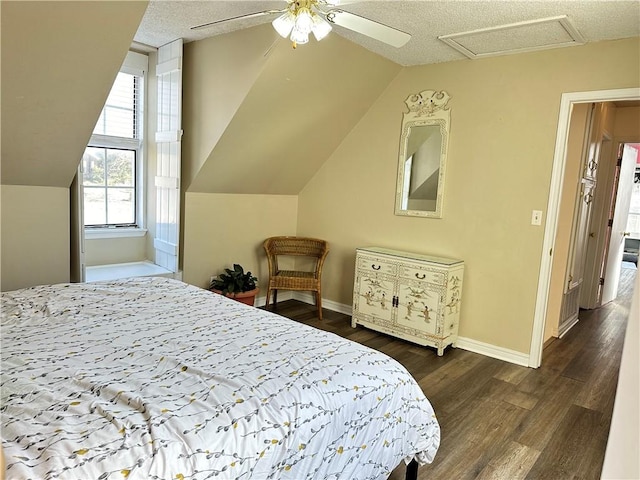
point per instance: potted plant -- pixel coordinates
(236, 284)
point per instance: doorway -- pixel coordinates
(567, 102)
(620, 203)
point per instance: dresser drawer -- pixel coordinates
(423, 274)
(375, 265)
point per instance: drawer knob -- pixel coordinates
(421, 277)
(375, 267)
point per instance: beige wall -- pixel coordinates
(223, 229)
(57, 70)
(301, 105)
(504, 115)
(627, 122)
(34, 224)
(219, 72)
(105, 251)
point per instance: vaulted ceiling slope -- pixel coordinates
(59, 60)
(302, 105)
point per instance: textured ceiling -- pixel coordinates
(596, 20)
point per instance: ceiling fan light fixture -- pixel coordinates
(299, 22)
(284, 24)
(300, 18)
(321, 27)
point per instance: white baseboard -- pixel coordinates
(305, 297)
(283, 295)
(469, 344)
(493, 351)
(310, 298)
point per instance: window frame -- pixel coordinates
(106, 187)
(134, 64)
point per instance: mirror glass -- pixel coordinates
(423, 152)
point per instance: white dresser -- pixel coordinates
(408, 295)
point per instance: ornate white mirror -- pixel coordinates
(423, 155)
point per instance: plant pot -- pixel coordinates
(247, 298)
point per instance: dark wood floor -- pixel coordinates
(503, 421)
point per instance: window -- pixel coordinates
(112, 162)
(109, 186)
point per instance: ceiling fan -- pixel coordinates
(303, 17)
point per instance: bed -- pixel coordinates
(152, 378)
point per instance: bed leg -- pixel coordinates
(412, 471)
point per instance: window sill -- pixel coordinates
(102, 233)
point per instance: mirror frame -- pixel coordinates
(428, 107)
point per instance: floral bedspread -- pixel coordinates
(152, 378)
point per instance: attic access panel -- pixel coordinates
(518, 37)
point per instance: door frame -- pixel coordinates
(553, 204)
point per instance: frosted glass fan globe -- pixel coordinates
(284, 24)
(321, 27)
(304, 21)
(298, 36)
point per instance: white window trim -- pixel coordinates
(95, 233)
(134, 64)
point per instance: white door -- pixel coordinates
(582, 222)
(579, 243)
(627, 156)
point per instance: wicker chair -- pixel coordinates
(295, 279)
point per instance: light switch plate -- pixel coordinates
(536, 217)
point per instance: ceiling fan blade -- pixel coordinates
(379, 31)
(239, 17)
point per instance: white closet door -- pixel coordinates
(168, 135)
